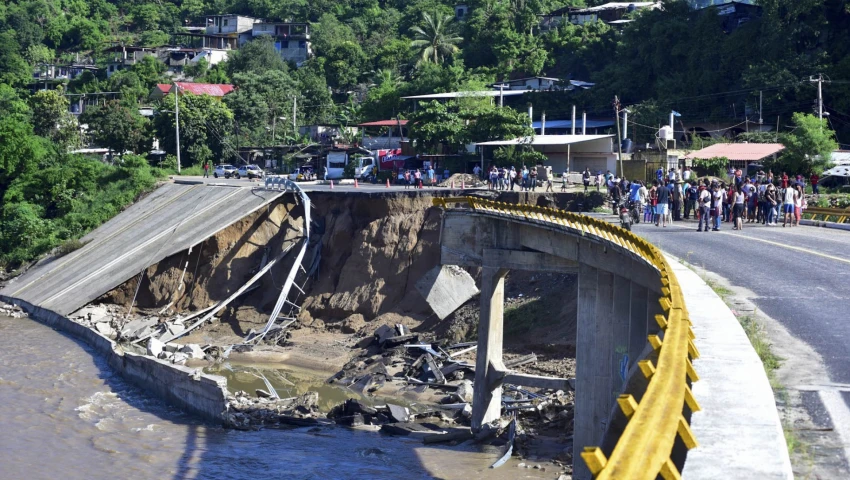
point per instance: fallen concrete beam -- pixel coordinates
(537, 381)
(445, 288)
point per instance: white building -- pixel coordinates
(595, 152)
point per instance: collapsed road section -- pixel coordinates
(355, 293)
(171, 219)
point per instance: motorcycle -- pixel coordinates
(625, 216)
(634, 211)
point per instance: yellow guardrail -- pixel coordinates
(644, 448)
(838, 215)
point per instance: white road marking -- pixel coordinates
(840, 415)
(790, 247)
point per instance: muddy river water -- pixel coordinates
(65, 414)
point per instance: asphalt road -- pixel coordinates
(800, 275)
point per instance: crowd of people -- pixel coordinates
(676, 195)
(524, 179)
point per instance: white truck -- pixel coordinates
(336, 162)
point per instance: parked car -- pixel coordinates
(249, 171)
(225, 171)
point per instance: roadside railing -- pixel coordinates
(644, 449)
(837, 215)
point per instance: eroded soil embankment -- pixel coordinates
(372, 249)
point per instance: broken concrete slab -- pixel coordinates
(155, 347)
(405, 428)
(464, 391)
(445, 288)
(105, 329)
(193, 350)
(398, 413)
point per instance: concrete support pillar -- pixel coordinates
(594, 361)
(489, 369)
(622, 320)
(637, 323)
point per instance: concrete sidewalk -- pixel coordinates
(738, 429)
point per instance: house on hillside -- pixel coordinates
(123, 56)
(461, 11)
(211, 89)
(611, 13)
(700, 4)
(734, 14)
(291, 40)
(532, 83)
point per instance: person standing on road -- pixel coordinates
(704, 200)
(718, 198)
(663, 205)
(477, 171)
(799, 204)
(532, 179)
(691, 196)
(789, 200)
(738, 198)
(814, 181)
(417, 176)
(206, 169)
(772, 200)
(585, 178)
(598, 179)
(676, 196)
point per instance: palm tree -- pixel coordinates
(437, 40)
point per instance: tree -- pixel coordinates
(262, 104)
(495, 123)
(205, 128)
(117, 127)
(809, 147)
(256, 56)
(437, 124)
(436, 40)
(51, 118)
(20, 150)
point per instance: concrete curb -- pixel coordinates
(738, 429)
(187, 388)
(820, 223)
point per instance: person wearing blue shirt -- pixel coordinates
(634, 195)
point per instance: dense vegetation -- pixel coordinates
(367, 55)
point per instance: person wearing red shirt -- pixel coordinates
(784, 180)
(814, 181)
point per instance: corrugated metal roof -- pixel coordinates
(211, 89)
(841, 157)
(478, 93)
(738, 151)
(568, 124)
(384, 123)
(547, 140)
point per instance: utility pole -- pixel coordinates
(294, 117)
(584, 123)
(501, 98)
(177, 123)
(573, 124)
(819, 81)
(619, 139)
(761, 120)
(543, 124)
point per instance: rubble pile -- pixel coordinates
(395, 354)
(110, 321)
(13, 311)
(245, 412)
(462, 179)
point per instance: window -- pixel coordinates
(225, 22)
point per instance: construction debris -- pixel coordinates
(13, 311)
